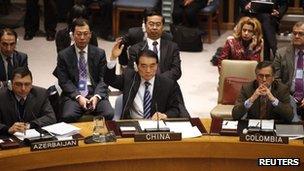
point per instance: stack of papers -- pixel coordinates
(231, 125)
(62, 129)
(185, 127)
(30, 133)
(260, 125)
(148, 124)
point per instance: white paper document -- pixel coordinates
(127, 128)
(267, 124)
(254, 123)
(186, 128)
(144, 124)
(229, 125)
(62, 129)
(30, 133)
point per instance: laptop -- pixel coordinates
(262, 7)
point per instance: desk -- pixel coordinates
(203, 153)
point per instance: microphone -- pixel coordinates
(157, 129)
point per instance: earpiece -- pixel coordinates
(9, 85)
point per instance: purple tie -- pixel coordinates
(299, 91)
(155, 47)
(82, 67)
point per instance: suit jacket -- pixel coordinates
(63, 39)
(282, 112)
(38, 110)
(19, 60)
(164, 92)
(68, 74)
(169, 64)
(284, 63)
(133, 36)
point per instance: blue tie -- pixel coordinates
(82, 67)
(147, 101)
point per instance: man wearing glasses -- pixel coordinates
(80, 72)
(24, 106)
(264, 98)
(288, 65)
(9, 57)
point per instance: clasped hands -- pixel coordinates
(88, 104)
(262, 90)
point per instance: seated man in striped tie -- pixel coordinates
(80, 71)
(146, 95)
(264, 98)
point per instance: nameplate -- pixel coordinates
(263, 138)
(157, 136)
(46, 145)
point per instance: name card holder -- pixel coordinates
(263, 138)
(46, 145)
(157, 136)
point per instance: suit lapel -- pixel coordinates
(72, 57)
(291, 55)
(155, 95)
(2, 69)
(13, 110)
(163, 51)
(91, 55)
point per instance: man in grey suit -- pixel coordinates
(24, 106)
(80, 72)
(9, 57)
(264, 98)
(288, 65)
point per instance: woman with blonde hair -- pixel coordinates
(246, 42)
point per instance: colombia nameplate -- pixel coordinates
(263, 138)
(157, 136)
(53, 144)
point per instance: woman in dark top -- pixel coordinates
(64, 37)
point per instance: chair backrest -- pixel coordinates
(235, 68)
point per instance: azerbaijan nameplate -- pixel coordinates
(157, 136)
(259, 138)
(46, 145)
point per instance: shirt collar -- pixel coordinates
(150, 41)
(78, 50)
(151, 81)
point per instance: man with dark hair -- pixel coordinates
(270, 23)
(289, 68)
(187, 9)
(264, 98)
(31, 20)
(145, 94)
(24, 106)
(80, 72)
(9, 57)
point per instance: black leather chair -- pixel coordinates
(212, 12)
(129, 6)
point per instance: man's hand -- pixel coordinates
(269, 94)
(248, 6)
(94, 100)
(260, 91)
(187, 2)
(160, 116)
(275, 13)
(116, 50)
(83, 101)
(302, 104)
(18, 127)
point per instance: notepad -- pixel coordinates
(186, 128)
(230, 125)
(289, 130)
(62, 129)
(261, 125)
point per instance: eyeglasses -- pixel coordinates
(300, 33)
(157, 25)
(262, 76)
(19, 84)
(8, 44)
(85, 34)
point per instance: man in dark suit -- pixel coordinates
(80, 72)
(270, 23)
(288, 65)
(31, 20)
(145, 94)
(24, 106)
(188, 9)
(264, 98)
(10, 58)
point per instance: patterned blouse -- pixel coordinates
(234, 49)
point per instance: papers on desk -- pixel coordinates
(292, 131)
(62, 129)
(185, 127)
(231, 125)
(260, 125)
(148, 124)
(30, 133)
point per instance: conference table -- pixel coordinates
(201, 153)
